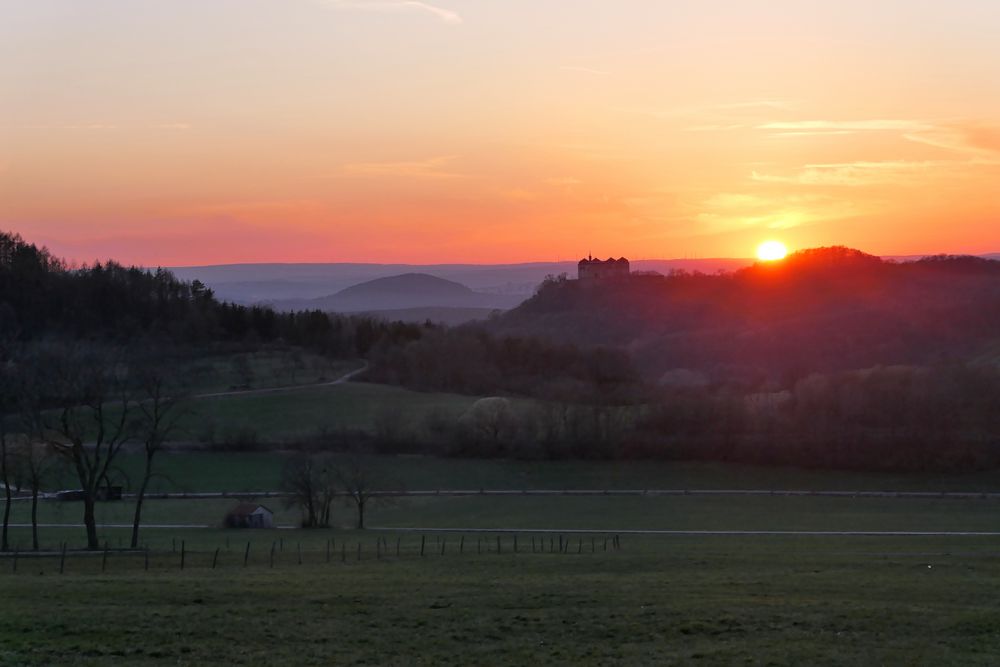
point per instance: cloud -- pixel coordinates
(878, 125)
(727, 211)
(978, 141)
(172, 126)
(429, 168)
(396, 6)
(861, 173)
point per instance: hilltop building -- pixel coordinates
(590, 269)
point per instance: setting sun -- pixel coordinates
(768, 251)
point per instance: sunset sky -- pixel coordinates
(181, 132)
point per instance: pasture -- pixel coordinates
(713, 600)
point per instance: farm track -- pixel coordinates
(347, 377)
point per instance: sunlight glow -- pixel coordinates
(769, 251)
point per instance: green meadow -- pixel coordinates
(657, 600)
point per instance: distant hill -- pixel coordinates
(260, 283)
(403, 292)
(819, 310)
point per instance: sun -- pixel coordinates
(769, 251)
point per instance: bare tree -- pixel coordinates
(159, 412)
(8, 404)
(361, 481)
(5, 480)
(309, 481)
(33, 463)
(92, 407)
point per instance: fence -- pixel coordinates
(279, 553)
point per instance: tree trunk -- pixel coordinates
(138, 502)
(89, 521)
(34, 517)
(4, 544)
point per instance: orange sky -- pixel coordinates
(193, 131)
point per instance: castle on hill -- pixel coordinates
(590, 269)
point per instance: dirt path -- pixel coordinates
(273, 390)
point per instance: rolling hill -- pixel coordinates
(404, 292)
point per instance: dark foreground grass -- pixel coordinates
(780, 601)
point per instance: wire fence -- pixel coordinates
(281, 553)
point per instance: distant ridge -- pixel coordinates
(404, 292)
(273, 283)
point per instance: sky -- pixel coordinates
(185, 132)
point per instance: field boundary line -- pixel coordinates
(926, 495)
(722, 533)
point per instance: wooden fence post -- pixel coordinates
(343, 551)
(515, 544)
(498, 544)
(579, 546)
(560, 543)
(605, 544)
(298, 549)
(422, 540)
(246, 554)
(328, 550)
(532, 544)
(215, 558)
(461, 545)
(479, 545)
(359, 549)
(183, 551)
(273, 546)
(104, 558)
(15, 560)
(62, 559)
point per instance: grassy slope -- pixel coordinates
(303, 413)
(719, 600)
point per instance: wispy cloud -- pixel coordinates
(434, 167)
(396, 6)
(978, 141)
(860, 173)
(877, 125)
(727, 211)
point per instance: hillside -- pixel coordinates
(818, 310)
(406, 291)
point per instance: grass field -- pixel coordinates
(308, 412)
(780, 601)
(199, 470)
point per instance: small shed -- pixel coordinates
(249, 515)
